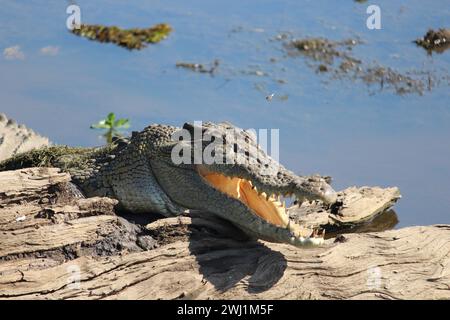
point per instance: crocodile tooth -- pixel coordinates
(315, 233)
(263, 194)
(288, 226)
(267, 197)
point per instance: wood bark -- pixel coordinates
(55, 244)
(16, 138)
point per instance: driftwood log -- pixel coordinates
(16, 138)
(54, 244)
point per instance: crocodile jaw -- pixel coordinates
(268, 207)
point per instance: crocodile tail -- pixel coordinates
(16, 138)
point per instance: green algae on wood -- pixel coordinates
(128, 38)
(61, 156)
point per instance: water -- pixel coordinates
(358, 135)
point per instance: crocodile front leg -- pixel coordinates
(138, 190)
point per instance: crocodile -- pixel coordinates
(164, 169)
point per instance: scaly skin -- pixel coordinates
(141, 174)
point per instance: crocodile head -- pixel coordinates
(220, 169)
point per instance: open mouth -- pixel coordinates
(271, 208)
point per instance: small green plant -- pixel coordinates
(112, 126)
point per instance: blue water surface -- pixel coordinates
(358, 135)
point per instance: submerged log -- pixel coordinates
(55, 244)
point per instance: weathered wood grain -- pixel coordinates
(73, 248)
(354, 206)
(16, 138)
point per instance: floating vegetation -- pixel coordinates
(438, 41)
(127, 38)
(324, 50)
(387, 77)
(198, 67)
(336, 58)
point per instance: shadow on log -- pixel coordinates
(57, 245)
